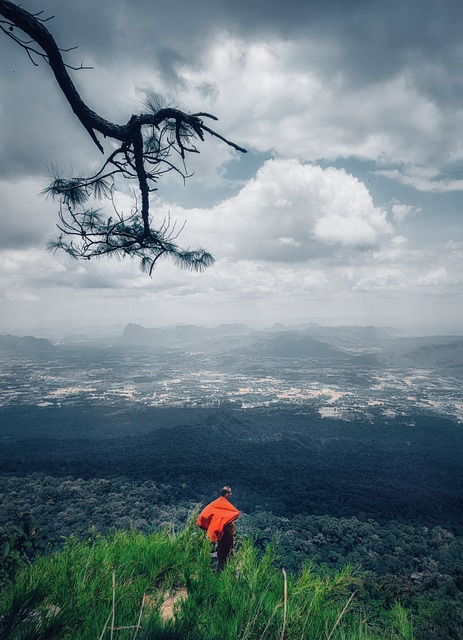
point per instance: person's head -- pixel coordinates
(226, 491)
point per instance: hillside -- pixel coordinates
(372, 346)
(159, 586)
(25, 344)
(289, 345)
(350, 337)
(440, 353)
(182, 336)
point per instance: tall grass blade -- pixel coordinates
(346, 606)
(285, 602)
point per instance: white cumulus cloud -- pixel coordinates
(289, 212)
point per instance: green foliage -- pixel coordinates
(18, 543)
(402, 622)
(26, 616)
(115, 587)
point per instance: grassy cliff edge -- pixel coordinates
(129, 585)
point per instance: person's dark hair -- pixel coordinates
(225, 491)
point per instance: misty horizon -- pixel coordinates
(105, 330)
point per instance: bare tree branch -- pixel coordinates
(147, 142)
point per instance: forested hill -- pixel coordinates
(180, 335)
(25, 344)
(290, 345)
(284, 460)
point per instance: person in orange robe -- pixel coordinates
(217, 519)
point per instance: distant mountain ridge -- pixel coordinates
(178, 334)
(432, 352)
(293, 344)
(24, 344)
(350, 337)
(370, 346)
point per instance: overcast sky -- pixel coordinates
(346, 209)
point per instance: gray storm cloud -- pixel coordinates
(356, 105)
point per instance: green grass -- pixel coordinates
(112, 588)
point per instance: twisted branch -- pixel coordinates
(141, 156)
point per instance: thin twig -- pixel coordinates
(264, 632)
(139, 618)
(346, 606)
(105, 626)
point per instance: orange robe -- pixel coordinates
(215, 516)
